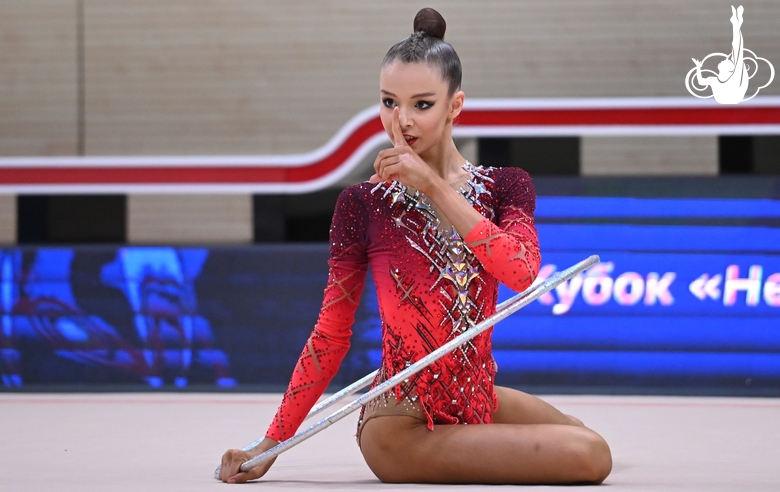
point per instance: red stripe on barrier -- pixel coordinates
(195, 174)
(622, 116)
(307, 172)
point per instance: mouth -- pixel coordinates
(410, 139)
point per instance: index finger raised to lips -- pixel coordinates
(398, 135)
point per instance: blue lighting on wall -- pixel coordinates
(673, 303)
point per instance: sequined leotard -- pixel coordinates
(431, 286)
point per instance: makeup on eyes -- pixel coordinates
(422, 105)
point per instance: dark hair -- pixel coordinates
(427, 45)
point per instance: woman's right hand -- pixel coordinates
(400, 162)
(229, 470)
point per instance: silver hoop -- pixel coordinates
(503, 310)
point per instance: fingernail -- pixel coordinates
(232, 480)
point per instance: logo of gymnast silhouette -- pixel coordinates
(730, 84)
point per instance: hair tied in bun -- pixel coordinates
(427, 45)
(430, 22)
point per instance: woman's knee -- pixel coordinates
(593, 458)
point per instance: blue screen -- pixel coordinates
(668, 302)
(669, 305)
(687, 295)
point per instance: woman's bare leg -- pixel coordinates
(516, 407)
(402, 449)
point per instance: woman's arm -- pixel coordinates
(328, 343)
(509, 250)
(454, 206)
(401, 163)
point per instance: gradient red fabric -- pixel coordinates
(431, 286)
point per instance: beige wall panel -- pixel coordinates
(7, 219)
(210, 77)
(38, 93)
(213, 77)
(649, 156)
(603, 48)
(171, 219)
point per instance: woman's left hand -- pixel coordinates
(230, 468)
(401, 163)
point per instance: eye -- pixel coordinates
(389, 103)
(423, 105)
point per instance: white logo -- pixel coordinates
(730, 84)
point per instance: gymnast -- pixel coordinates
(439, 235)
(730, 85)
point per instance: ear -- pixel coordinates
(456, 104)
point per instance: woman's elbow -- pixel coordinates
(520, 281)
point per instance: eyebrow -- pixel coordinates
(416, 96)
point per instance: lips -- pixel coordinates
(410, 139)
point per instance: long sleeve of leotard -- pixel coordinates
(509, 249)
(329, 341)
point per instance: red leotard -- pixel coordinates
(431, 286)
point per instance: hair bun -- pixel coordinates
(430, 22)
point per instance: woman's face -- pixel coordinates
(425, 109)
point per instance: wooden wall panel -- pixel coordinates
(601, 48)
(182, 219)
(38, 87)
(204, 76)
(7, 219)
(213, 77)
(209, 77)
(649, 156)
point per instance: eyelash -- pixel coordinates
(421, 105)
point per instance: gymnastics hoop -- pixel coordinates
(503, 311)
(349, 390)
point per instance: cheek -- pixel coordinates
(433, 123)
(387, 122)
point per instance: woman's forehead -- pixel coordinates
(410, 78)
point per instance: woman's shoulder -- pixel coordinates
(508, 174)
(512, 186)
(357, 193)
(356, 202)
(350, 219)
(510, 180)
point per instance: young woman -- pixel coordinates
(439, 235)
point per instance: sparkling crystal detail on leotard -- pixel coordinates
(431, 283)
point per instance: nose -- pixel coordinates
(403, 119)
